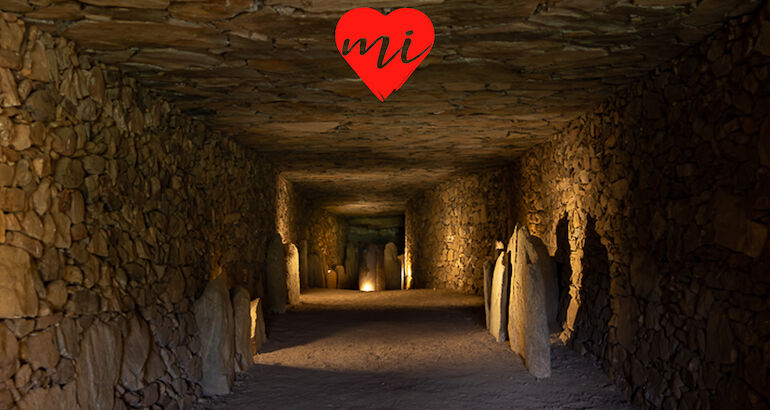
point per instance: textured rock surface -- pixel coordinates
(303, 265)
(371, 269)
(214, 317)
(136, 349)
(276, 292)
(547, 268)
(351, 263)
(124, 204)
(498, 302)
(9, 353)
(512, 72)
(453, 229)
(316, 271)
(98, 366)
(17, 289)
(242, 323)
(657, 202)
(331, 279)
(489, 270)
(257, 335)
(114, 206)
(392, 267)
(527, 311)
(343, 279)
(292, 273)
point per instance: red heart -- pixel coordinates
(384, 50)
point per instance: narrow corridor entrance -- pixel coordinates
(421, 349)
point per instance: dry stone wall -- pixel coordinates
(115, 212)
(656, 207)
(452, 230)
(326, 234)
(298, 219)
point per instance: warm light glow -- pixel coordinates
(367, 287)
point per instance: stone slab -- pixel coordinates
(527, 318)
(242, 328)
(214, 317)
(498, 302)
(276, 292)
(292, 273)
(392, 267)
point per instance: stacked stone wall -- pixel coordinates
(656, 206)
(116, 212)
(453, 228)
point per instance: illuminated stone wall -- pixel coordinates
(452, 229)
(327, 233)
(116, 210)
(657, 206)
(298, 219)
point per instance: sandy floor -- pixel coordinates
(417, 349)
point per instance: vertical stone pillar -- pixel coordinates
(292, 273)
(276, 291)
(214, 317)
(303, 265)
(392, 267)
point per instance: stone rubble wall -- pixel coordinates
(452, 230)
(299, 219)
(326, 233)
(656, 206)
(116, 210)
(288, 212)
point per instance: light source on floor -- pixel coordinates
(367, 287)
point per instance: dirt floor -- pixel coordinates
(417, 349)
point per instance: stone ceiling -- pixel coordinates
(502, 75)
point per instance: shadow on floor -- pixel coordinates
(297, 328)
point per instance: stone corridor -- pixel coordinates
(405, 349)
(565, 206)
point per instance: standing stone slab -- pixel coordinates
(528, 322)
(498, 301)
(488, 272)
(303, 266)
(18, 297)
(343, 280)
(312, 266)
(9, 353)
(54, 397)
(371, 274)
(98, 367)
(243, 328)
(292, 273)
(137, 345)
(351, 263)
(392, 267)
(258, 336)
(276, 291)
(214, 316)
(317, 271)
(550, 281)
(330, 280)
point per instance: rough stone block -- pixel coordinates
(136, 349)
(392, 267)
(18, 297)
(214, 316)
(98, 366)
(498, 301)
(276, 292)
(258, 335)
(243, 328)
(292, 273)
(527, 319)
